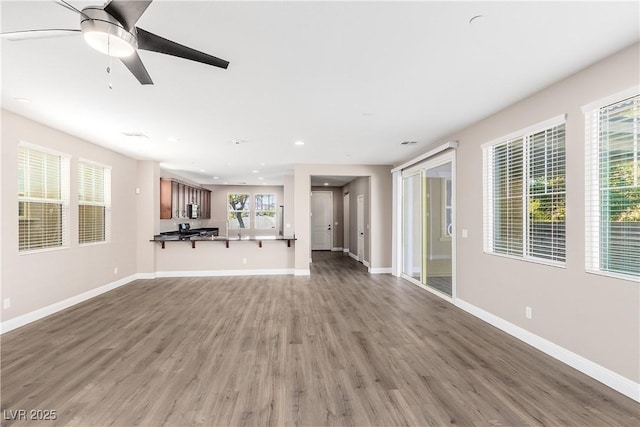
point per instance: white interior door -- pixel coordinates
(360, 225)
(346, 222)
(321, 220)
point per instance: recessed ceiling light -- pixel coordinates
(201, 170)
(225, 183)
(408, 142)
(173, 139)
(262, 164)
(216, 177)
(261, 178)
(326, 183)
(299, 142)
(23, 100)
(264, 183)
(255, 171)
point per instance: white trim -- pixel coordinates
(302, 272)
(352, 255)
(431, 153)
(337, 249)
(611, 99)
(43, 149)
(609, 378)
(16, 322)
(214, 273)
(345, 250)
(365, 263)
(381, 270)
(549, 123)
(146, 276)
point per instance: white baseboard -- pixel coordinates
(302, 272)
(16, 322)
(337, 249)
(382, 270)
(215, 273)
(354, 256)
(609, 378)
(345, 250)
(145, 276)
(365, 263)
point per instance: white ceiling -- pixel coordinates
(350, 79)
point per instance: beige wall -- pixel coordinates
(216, 257)
(594, 316)
(33, 281)
(379, 204)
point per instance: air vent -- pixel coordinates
(408, 142)
(135, 135)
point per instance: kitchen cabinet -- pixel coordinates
(175, 196)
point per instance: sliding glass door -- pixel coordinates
(412, 226)
(428, 212)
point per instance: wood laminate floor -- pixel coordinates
(338, 348)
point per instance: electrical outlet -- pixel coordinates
(527, 312)
(244, 260)
(6, 303)
(115, 270)
(465, 233)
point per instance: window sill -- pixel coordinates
(43, 250)
(556, 264)
(614, 275)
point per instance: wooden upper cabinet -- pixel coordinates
(165, 199)
(175, 196)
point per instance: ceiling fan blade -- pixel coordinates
(67, 5)
(154, 43)
(38, 34)
(127, 11)
(135, 65)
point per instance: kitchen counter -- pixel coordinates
(210, 237)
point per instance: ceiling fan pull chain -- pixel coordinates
(109, 55)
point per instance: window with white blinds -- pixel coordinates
(525, 198)
(265, 211)
(94, 202)
(43, 198)
(612, 232)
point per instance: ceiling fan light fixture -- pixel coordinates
(108, 44)
(105, 34)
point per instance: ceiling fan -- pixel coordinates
(111, 30)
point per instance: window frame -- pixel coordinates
(106, 203)
(63, 201)
(247, 210)
(593, 203)
(489, 236)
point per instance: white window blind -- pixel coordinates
(265, 211)
(612, 232)
(43, 189)
(524, 187)
(94, 202)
